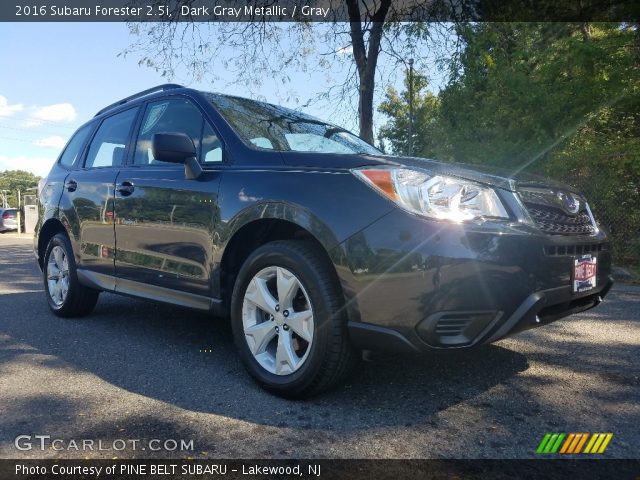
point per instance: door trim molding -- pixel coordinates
(132, 288)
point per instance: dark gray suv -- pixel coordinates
(313, 242)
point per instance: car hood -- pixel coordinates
(493, 176)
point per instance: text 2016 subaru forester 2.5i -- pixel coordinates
(313, 242)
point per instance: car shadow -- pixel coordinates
(174, 373)
(188, 359)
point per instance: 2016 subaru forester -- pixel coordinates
(311, 240)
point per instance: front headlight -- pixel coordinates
(435, 196)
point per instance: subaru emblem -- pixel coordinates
(570, 204)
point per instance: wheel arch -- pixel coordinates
(259, 231)
(49, 229)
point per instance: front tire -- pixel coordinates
(288, 320)
(66, 296)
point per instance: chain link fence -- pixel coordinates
(615, 203)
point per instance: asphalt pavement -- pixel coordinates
(147, 375)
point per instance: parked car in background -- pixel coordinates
(8, 220)
(313, 242)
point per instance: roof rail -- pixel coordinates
(159, 88)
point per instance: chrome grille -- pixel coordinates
(554, 221)
(549, 213)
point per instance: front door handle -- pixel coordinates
(71, 185)
(125, 188)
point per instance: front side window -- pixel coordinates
(275, 128)
(176, 116)
(108, 145)
(74, 147)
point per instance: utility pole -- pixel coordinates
(410, 142)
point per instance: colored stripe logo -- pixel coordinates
(574, 443)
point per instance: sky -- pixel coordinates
(56, 76)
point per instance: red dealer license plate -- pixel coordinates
(584, 273)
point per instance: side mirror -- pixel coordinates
(172, 147)
(177, 148)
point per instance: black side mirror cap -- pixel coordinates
(172, 147)
(177, 148)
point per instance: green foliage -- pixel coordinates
(552, 98)
(425, 113)
(523, 88)
(14, 180)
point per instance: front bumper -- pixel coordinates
(417, 285)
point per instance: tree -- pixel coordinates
(13, 180)
(558, 99)
(521, 90)
(426, 135)
(260, 49)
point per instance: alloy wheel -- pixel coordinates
(277, 318)
(58, 275)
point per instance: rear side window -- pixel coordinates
(74, 148)
(108, 145)
(176, 116)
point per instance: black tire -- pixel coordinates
(80, 300)
(331, 355)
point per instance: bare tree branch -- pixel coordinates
(344, 57)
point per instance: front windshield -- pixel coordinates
(276, 128)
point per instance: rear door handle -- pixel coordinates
(125, 188)
(71, 185)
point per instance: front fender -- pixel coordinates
(290, 212)
(331, 205)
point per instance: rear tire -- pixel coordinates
(302, 348)
(65, 295)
